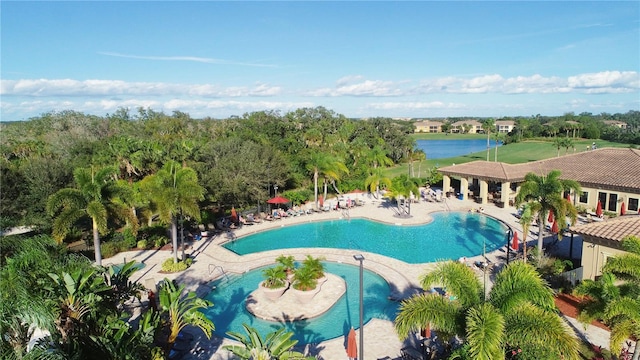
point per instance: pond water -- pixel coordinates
(440, 149)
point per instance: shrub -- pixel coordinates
(142, 244)
(129, 237)
(111, 248)
(274, 277)
(159, 240)
(170, 266)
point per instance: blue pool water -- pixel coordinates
(440, 149)
(451, 235)
(229, 312)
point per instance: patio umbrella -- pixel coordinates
(623, 209)
(234, 215)
(426, 332)
(554, 228)
(514, 245)
(599, 209)
(278, 200)
(550, 218)
(569, 197)
(352, 347)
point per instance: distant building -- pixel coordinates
(618, 124)
(428, 126)
(505, 126)
(474, 126)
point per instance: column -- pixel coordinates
(446, 184)
(464, 188)
(506, 191)
(484, 191)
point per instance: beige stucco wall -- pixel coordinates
(592, 201)
(594, 256)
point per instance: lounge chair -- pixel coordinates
(266, 217)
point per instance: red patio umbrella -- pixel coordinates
(554, 228)
(514, 244)
(234, 215)
(426, 332)
(599, 209)
(569, 197)
(352, 347)
(278, 200)
(550, 218)
(623, 209)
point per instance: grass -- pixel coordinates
(514, 153)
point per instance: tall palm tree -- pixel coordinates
(375, 179)
(546, 193)
(614, 296)
(488, 125)
(175, 192)
(520, 312)
(98, 196)
(525, 220)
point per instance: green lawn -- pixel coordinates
(514, 153)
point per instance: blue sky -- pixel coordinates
(360, 59)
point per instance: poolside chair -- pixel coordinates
(266, 217)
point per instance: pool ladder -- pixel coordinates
(214, 267)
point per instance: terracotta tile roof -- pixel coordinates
(613, 229)
(608, 167)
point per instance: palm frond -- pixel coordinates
(416, 312)
(485, 329)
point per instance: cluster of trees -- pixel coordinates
(84, 311)
(236, 161)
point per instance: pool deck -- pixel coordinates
(380, 340)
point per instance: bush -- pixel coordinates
(129, 237)
(142, 244)
(159, 240)
(170, 266)
(111, 248)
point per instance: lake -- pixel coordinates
(440, 149)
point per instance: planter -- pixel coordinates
(273, 294)
(304, 297)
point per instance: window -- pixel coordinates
(633, 204)
(584, 197)
(613, 202)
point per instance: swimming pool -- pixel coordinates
(450, 235)
(230, 294)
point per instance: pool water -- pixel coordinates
(450, 235)
(229, 312)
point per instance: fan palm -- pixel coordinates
(276, 346)
(545, 193)
(175, 191)
(520, 311)
(97, 196)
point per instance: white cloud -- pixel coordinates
(355, 86)
(605, 79)
(184, 58)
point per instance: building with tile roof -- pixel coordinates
(608, 175)
(603, 239)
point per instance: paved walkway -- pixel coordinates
(380, 340)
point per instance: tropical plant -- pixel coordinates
(375, 179)
(488, 125)
(274, 277)
(97, 196)
(403, 187)
(545, 193)
(526, 217)
(183, 308)
(175, 192)
(614, 297)
(519, 311)
(276, 346)
(314, 265)
(122, 288)
(304, 279)
(287, 262)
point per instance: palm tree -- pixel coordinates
(276, 346)
(614, 296)
(404, 186)
(488, 125)
(520, 312)
(546, 193)
(97, 196)
(175, 192)
(183, 309)
(375, 179)
(525, 220)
